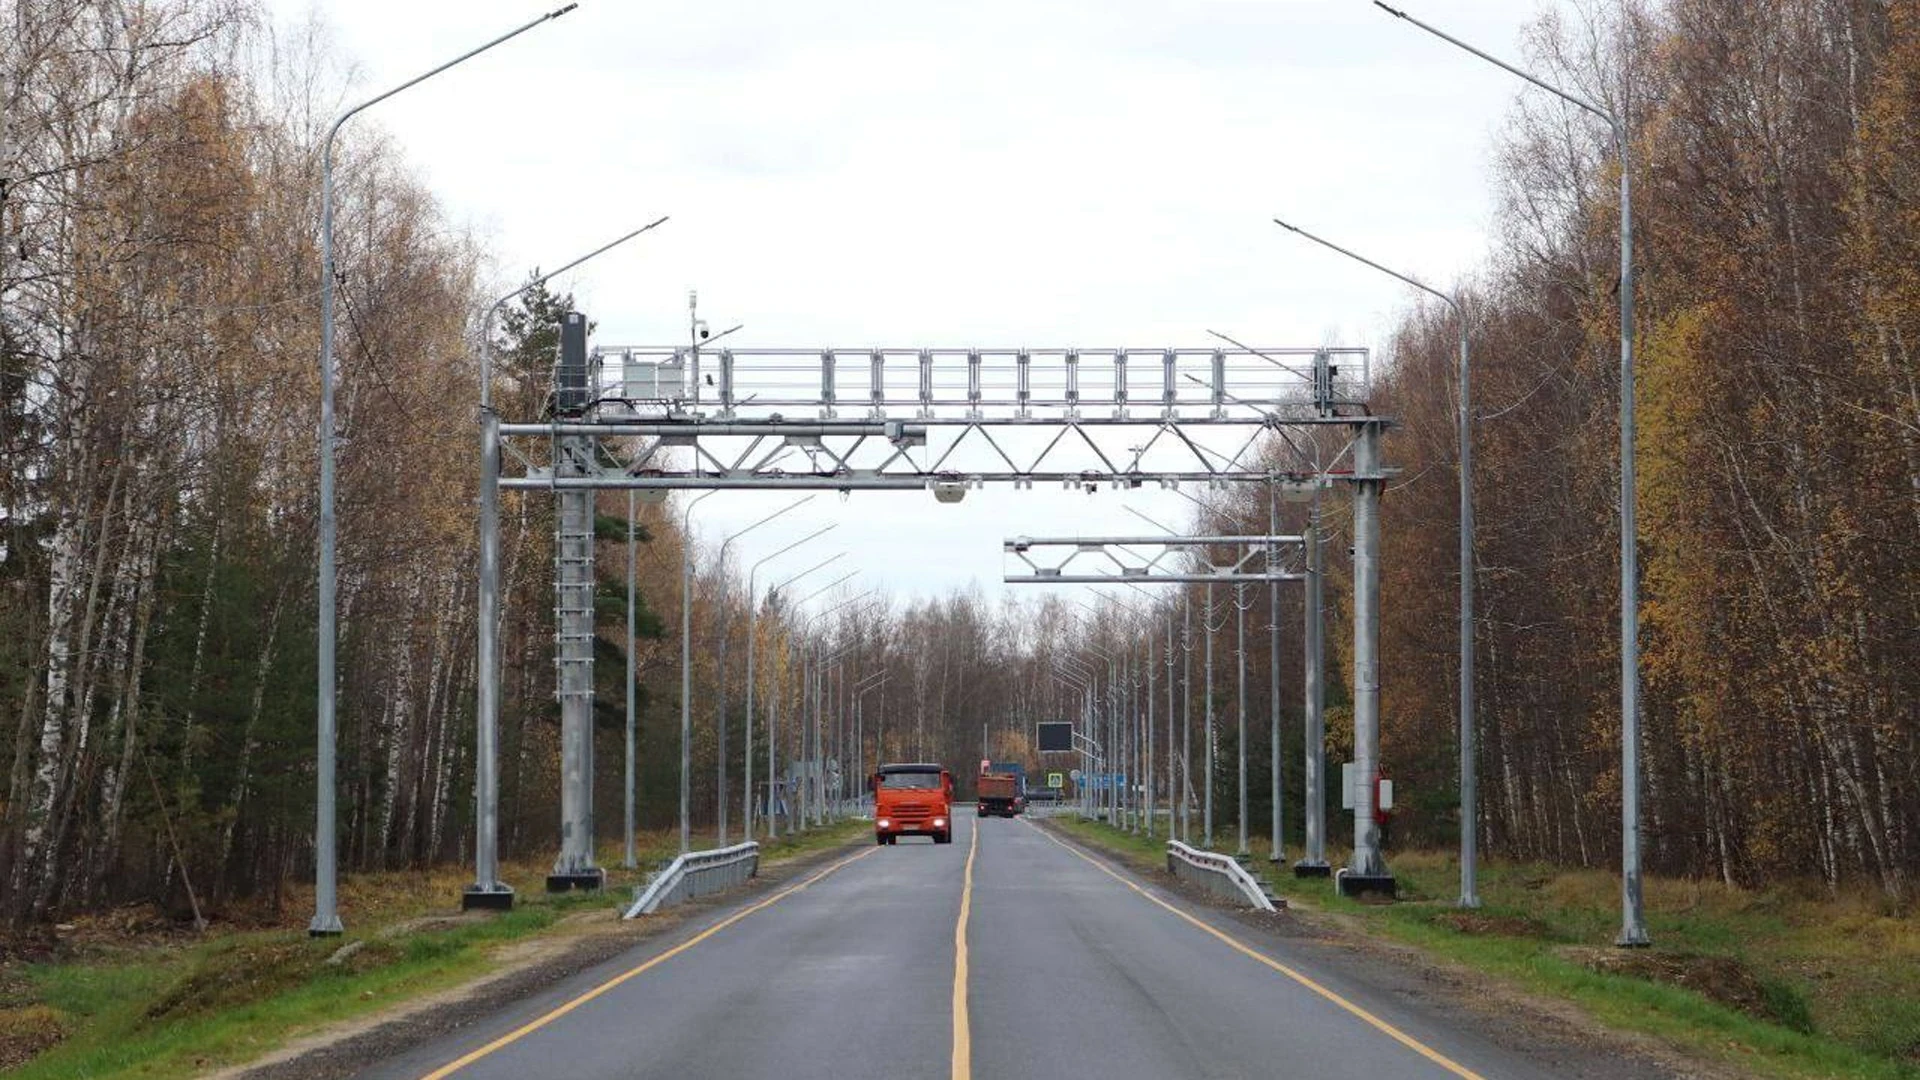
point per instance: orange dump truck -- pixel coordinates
(912, 800)
(999, 794)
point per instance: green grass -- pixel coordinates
(136, 1010)
(1834, 989)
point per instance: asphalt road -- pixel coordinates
(1070, 968)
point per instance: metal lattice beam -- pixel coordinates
(1118, 559)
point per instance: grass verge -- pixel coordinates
(133, 1008)
(1783, 982)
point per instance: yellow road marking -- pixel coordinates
(962, 1031)
(536, 1024)
(1395, 1033)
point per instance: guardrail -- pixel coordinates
(1217, 873)
(697, 873)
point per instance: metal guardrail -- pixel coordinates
(1217, 873)
(697, 873)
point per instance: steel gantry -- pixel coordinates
(1118, 560)
(942, 421)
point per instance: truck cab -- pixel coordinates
(912, 800)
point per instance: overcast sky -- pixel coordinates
(1036, 172)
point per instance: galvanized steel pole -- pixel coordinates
(1313, 860)
(1367, 861)
(487, 890)
(326, 913)
(1186, 721)
(1277, 784)
(1469, 861)
(753, 640)
(632, 573)
(1633, 927)
(686, 673)
(1206, 622)
(1240, 651)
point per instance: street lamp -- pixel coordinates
(753, 619)
(720, 677)
(806, 626)
(326, 914)
(686, 664)
(878, 680)
(686, 656)
(1633, 926)
(1083, 683)
(773, 713)
(1469, 862)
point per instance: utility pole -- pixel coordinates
(1240, 650)
(1278, 783)
(1633, 926)
(1206, 620)
(1313, 860)
(326, 913)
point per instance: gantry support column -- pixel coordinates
(1367, 871)
(573, 621)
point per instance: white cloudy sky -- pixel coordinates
(1008, 172)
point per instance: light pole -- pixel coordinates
(686, 668)
(1112, 743)
(773, 711)
(1137, 747)
(1091, 757)
(1469, 893)
(720, 678)
(1633, 926)
(830, 681)
(878, 680)
(1089, 681)
(802, 802)
(753, 618)
(326, 913)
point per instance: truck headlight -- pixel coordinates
(939, 823)
(884, 823)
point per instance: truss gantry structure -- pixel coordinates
(941, 419)
(654, 419)
(1143, 560)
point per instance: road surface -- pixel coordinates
(1008, 953)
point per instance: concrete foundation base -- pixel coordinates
(1367, 885)
(474, 898)
(1304, 869)
(581, 880)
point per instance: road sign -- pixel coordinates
(1054, 780)
(1056, 736)
(1075, 774)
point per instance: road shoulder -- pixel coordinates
(526, 969)
(1556, 1035)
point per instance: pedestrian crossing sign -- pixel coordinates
(1055, 780)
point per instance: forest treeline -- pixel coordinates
(158, 389)
(1776, 181)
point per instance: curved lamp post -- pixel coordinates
(326, 913)
(1633, 925)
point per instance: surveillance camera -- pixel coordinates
(949, 491)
